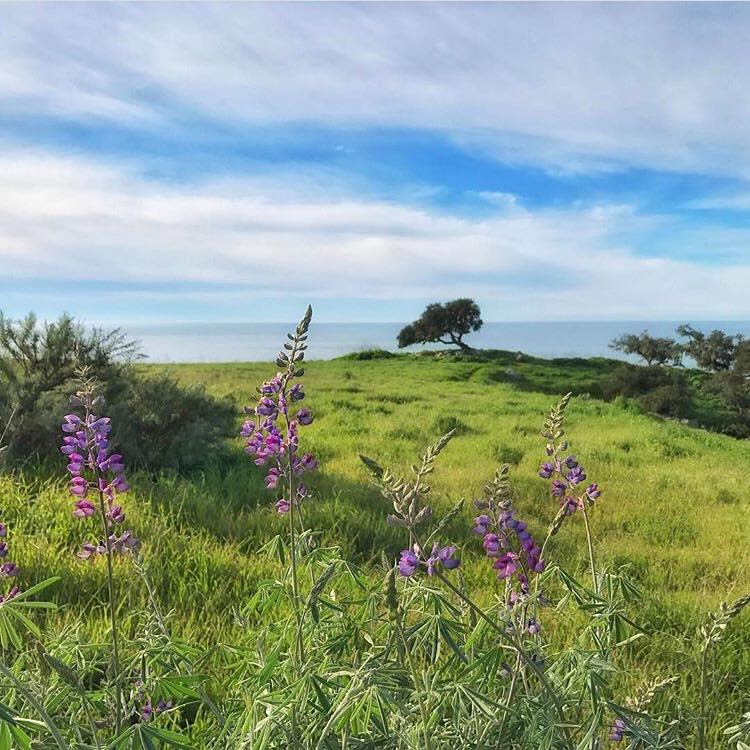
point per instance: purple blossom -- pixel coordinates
(408, 563)
(266, 407)
(558, 487)
(94, 468)
(533, 627)
(447, 559)
(7, 569)
(576, 475)
(482, 524)
(272, 479)
(84, 509)
(273, 439)
(617, 731)
(593, 491)
(304, 417)
(546, 470)
(506, 565)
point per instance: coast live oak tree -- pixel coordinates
(443, 323)
(655, 351)
(715, 352)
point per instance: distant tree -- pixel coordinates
(655, 351)
(444, 323)
(715, 352)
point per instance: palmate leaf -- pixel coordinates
(149, 737)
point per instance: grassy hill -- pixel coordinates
(674, 507)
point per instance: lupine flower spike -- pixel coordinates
(97, 477)
(507, 539)
(566, 476)
(271, 431)
(7, 569)
(409, 512)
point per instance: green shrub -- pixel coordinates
(168, 425)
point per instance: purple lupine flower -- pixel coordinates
(8, 569)
(272, 479)
(84, 509)
(304, 417)
(309, 462)
(570, 504)
(482, 524)
(491, 544)
(558, 487)
(447, 559)
(571, 462)
(408, 563)
(94, 468)
(546, 470)
(79, 486)
(506, 565)
(617, 731)
(576, 475)
(593, 491)
(3, 531)
(266, 407)
(88, 550)
(274, 438)
(533, 627)
(71, 423)
(509, 541)
(272, 386)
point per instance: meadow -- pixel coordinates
(673, 514)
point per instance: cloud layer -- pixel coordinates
(71, 220)
(596, 95)
(576, 86)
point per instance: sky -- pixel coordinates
(233, 162)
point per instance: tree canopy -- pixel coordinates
(715, 352)
(655, 351)
(444, 323)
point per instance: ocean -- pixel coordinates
(248, 342)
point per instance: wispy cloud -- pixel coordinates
(68, 220)
(575, 86)
(567, 160)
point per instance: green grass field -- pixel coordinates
(674, 508)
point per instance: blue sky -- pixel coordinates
(235, 161)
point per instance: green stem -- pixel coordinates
(704, 688)
(38, 707)
(415, 679)
(112, 615)
(590, 544)
(156, 609)
(512, 641)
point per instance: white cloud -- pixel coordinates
(570, 85)
(73, 219)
